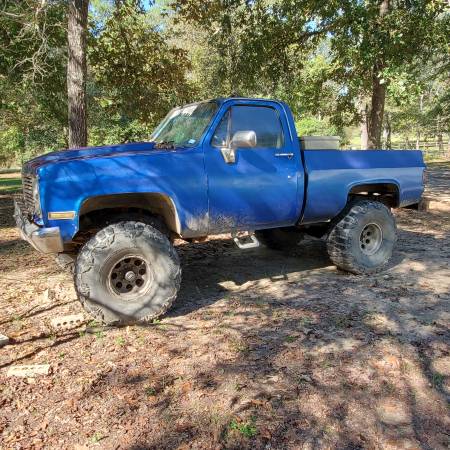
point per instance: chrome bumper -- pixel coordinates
(45, 240)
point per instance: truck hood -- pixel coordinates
(33, 165)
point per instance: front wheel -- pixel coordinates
(363, 240)
(128, 272)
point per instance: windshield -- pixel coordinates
(184, 126)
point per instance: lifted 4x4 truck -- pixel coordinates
(231, 165)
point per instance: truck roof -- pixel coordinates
(233, 97)
(221, 100)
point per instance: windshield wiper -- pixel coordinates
(166, 144)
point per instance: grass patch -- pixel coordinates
(247, 429)
(10, 185)
(305, 321)
(437, 380)
(150, 391)
(239, 346)
(99, 334)
(120, 341)
(97, 437)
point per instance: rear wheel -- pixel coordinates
(128, 272)
(363, 240)
(279, 238)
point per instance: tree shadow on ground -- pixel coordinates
(6, 211)
(229, 269)
(51, 340)
(285, 345)
(290, 347)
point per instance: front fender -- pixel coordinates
(175, 175)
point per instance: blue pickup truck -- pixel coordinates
(231, 165)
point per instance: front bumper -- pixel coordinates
(45, 240)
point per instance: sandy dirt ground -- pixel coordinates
(261, 350)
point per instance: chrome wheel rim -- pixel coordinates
(370, 239)
(130, 277)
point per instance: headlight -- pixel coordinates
(36, 198)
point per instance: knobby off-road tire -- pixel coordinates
(66, 261)
(363, 240)
(128, 272)
(155, 222)
(279, 239)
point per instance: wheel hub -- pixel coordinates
(130, 276)
(370, 239)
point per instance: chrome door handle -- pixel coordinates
(286, 155)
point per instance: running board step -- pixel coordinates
(246, 242)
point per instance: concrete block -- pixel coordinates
(67, 322)
(28, 370)
(4, 340)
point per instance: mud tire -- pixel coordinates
(99, 255)
(153, 221)
(343, 243)
(279, 238)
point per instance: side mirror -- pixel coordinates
(243, 139)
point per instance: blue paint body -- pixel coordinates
(210, 196)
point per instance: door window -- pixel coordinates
(221, 135)
(263, 120)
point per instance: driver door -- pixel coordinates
(257, 187)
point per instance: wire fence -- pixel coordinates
(430, 149)
(9, 170)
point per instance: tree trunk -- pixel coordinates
(418, 129)
(377, 110)
(76, 72)
(375, 122)
(440, 141)
(363, 125)
(387, 133)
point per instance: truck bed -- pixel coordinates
(331, 174)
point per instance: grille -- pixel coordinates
(27, 189)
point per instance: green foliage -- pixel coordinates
(109, 130)
(365, 44)
(97, 437)
(120, 341)
(32, 40)
(99, 334)
(311, 126)
(247, 429)
(137, 74)
(150, 391)
(419, 106)
(437, 379)
(320, 57)
(32, 79)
